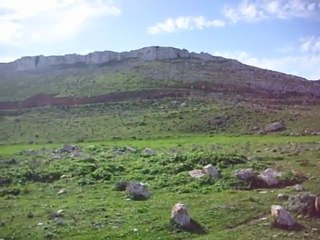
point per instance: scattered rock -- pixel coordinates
(40, 224)
(211, 171)
(137, 191)
(270, 177)
(59, 213)
(147, 152)
(245, 173)
(62, 191)
(317, 205)
(56, 157)
(59, 221)
(282, 218)
(131, 149)
(68, 148)
(282, 196)
(263, 192)
(65, 176)
(274, 127)
(184, 104)
(298, 187)
(179, 214)
(197, 173)
(75, 154)
(303, 203)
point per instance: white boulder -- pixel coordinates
(179, 214)
(281, 217)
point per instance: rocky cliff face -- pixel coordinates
(150, 67)
(144, 54)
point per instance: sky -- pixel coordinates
(281, 35)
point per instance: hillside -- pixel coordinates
(149, 93)
(80, 134)
(151, 68)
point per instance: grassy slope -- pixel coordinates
(149, 120)
(77, 82)
(97, 211)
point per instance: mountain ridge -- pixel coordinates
(152, 53)
(149, 68)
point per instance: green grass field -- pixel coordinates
(150, 119)
(93, 209)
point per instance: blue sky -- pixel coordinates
(282, 35)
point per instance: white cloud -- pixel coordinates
(54, 20)
(310, 45)
(246, 10)
(184, 23)
(255, 10)
(305, 64)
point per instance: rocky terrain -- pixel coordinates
(153, 68)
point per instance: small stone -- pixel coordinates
(62, 191)
(274, 127)
(137, 191)
(58, 221)
(59, 213)
(263, 192)
(68, 148)
(196, 173)
(147, 152)
(281, 217)
(184, 104)
(298, 187)
(135, 230)
(40, 224)
(131, 149)
(65, 176)
(211, 171)
(291, 234)
(282, 196)
(179, 214)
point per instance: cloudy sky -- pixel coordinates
(282, 35)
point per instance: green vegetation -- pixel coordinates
(77, 82)
(150, 119)
(52, 191)
(92, 208)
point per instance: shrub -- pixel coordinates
(10, 191)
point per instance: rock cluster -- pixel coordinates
(305, 203)
(207, 170)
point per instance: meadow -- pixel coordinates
(94, 208)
